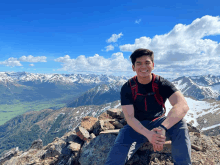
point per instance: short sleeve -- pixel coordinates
(126, 95)
(167, 88)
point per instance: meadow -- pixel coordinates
(9, 111)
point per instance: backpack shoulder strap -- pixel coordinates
(134, 87)
(155, 88)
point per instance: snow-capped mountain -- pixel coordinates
(20, 77)
(199, 87)
(25, 86)
(100, 94)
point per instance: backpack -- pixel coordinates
(155, 88)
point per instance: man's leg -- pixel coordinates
(179, 135)
(126, 144)
(181, 145)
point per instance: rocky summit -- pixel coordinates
(90, 143)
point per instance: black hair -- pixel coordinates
(141, 52)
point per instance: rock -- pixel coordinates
(117, 125)
(116, 113)
(56, 148)
(37, 144)
(9, 155)
(69, 136)
(88, 123)
(92, 136)
(108, 125)
(95, 152)
(102, 125)
(98, 127)
(195, 147)
(82, 133)
(32, 156)
(104, 116)
(110, 131)
(123, 121)
(73, 160)
(74, 146)
(193, 129)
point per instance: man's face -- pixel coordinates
(143, 66)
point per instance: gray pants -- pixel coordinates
(129, 141)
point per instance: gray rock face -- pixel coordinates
(56, 148)
(9, 155)
(37, 144)
(95, 152)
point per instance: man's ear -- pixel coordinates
(133, 68)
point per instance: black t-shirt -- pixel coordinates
(154, 110)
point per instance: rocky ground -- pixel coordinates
(90, 143)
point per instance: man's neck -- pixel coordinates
(145, 80)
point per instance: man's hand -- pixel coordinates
(161, 131)
(157, 138)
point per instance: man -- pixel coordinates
(144, 112)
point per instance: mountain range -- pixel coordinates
(93, 94)
(25, 86)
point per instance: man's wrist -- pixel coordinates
(162, 126)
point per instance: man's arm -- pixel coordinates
(179, 110)
(128, 111)
(156, 139)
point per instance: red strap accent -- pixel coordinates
(133, 89)
(159, 117)
(157, 95)
(155, 88)
(136, 87)
(145, 100)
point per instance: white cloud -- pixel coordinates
(109, 47)
(114, 37)
(12, 62)
(96, 64)
(184, 50)
(31, 58)
(138, 21)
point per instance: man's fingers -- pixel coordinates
(157, 129)
(160, 136)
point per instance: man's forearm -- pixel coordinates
(137, 126)
(175, 115)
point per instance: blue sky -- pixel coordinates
(99, 36)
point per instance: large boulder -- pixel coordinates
(96, 151)
(37, 144)
(9, 155)
(88, 123)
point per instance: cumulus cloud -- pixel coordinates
(138, 21)
(96, 64)
(114, 38)
(31, 58)
(109, 47)
(185, 47)
(12, 62)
